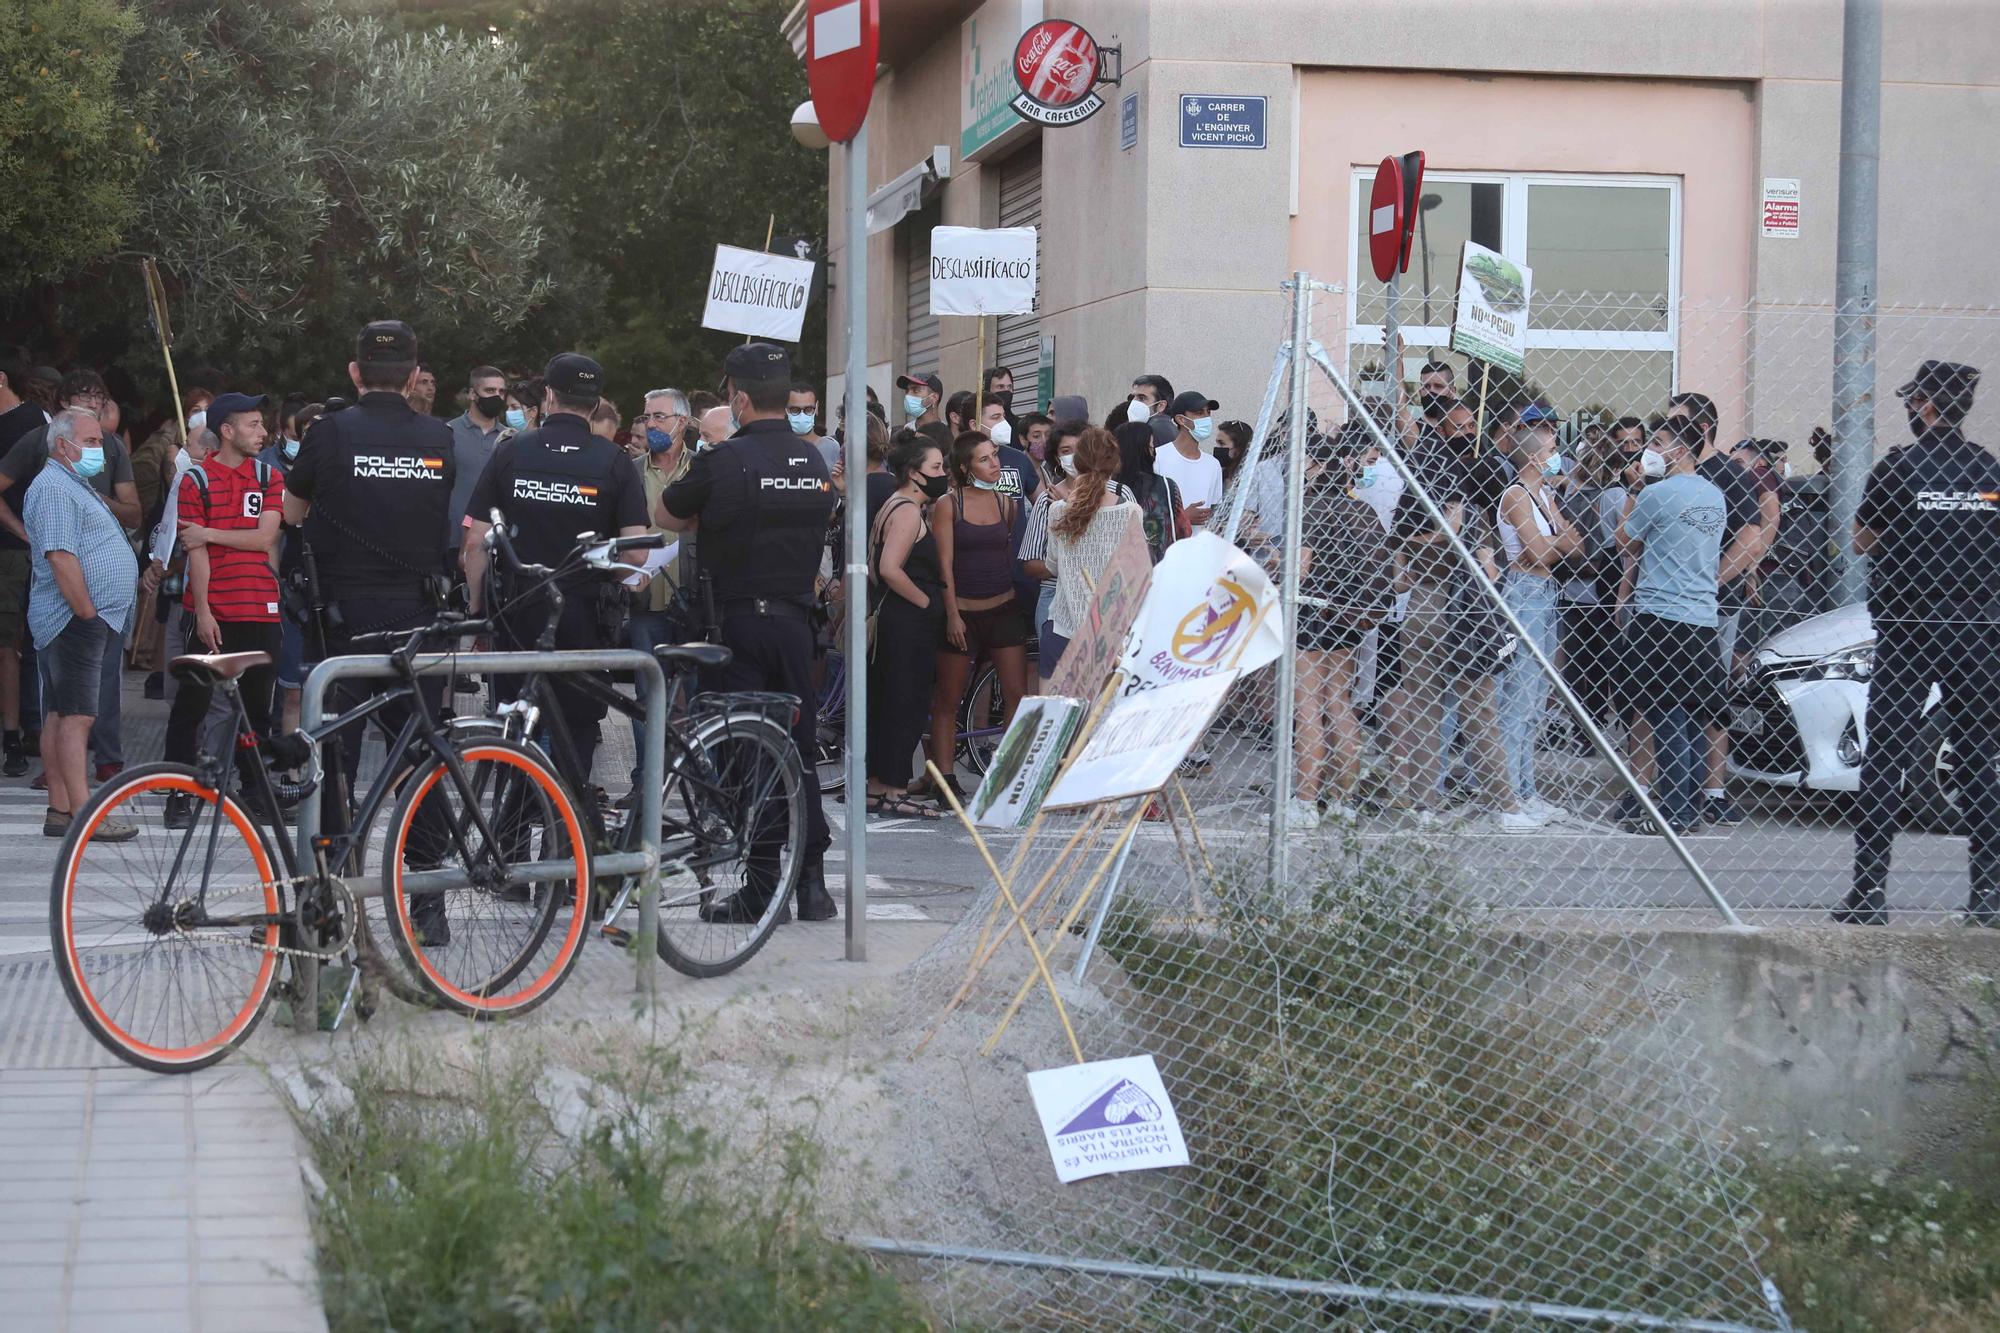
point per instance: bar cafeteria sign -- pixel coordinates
(1055, 63)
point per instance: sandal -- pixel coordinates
(901, 807)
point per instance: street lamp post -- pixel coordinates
(1424, 206)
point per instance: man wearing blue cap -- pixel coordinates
(1930, 522)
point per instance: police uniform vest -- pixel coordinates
(1934, 506)
(555, 482)
(764, 497)
(378, 477)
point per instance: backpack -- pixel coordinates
(199, 472)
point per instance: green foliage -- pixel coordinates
(465, 1207)
(69, 145)
(667, 134)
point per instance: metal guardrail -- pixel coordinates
(652, 775)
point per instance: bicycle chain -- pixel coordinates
(282, 950)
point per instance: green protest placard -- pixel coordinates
(1491, 321)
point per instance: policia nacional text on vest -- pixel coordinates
(760, 501)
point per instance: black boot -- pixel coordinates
(740, 909)
(1863, 907)
(1983, 908)
(815, 903)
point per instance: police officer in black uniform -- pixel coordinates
(371, 486)
(1930, 520)
(553, 483)
(760, 501)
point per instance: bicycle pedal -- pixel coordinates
(618, 935)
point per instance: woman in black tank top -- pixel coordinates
(908, 596)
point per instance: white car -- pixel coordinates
(1800, 717)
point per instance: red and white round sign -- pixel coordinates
(1055, 64)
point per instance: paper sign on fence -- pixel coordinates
(982, 270)
(1210, 609)
(1026, 762)
(758, 294)
(1106, 1116)
(1140, 740)
(1491, 322)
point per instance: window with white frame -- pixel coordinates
(1605, 257)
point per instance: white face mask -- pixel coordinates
(1001, 432)
(1067, 464)
(1653, 464)
(1136, 410)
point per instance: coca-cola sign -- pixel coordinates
(1055, 64)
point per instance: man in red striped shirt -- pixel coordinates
(229, 508)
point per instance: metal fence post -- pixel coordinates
(855, 580)
(1288, 659)
(1854, 282)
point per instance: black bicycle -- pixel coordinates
(732, 804)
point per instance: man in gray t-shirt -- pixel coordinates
(1677, 523)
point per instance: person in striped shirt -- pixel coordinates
(229, 508)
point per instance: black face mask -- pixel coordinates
(1917, 426)
(934, 487)
(490, 406)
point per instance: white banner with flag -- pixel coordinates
(982, 271)
(1210, 609)
(762, 295)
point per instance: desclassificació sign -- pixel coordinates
(1055, 66)
(982, 270)
(1491, 320)
(762, 295)
(1139, 742)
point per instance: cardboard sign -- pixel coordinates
(1140, 740)
(758, 294)
(1026, 762)
(1095, 648)
(1210, 610)
(1781, 208)
(1106, 1116)
(1491, 322)
(982, 271)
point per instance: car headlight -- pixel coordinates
(1857, 663)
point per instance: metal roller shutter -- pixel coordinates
(1017, 338)
(920, 325)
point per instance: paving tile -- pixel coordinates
(146, 1249)
(146, 1321)
(97, 1226)
(136, 1271)
(34, 1253)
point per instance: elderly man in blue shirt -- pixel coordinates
(80, 599)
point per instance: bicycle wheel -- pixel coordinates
(732, 841)
(981, 720)
(166, 942)
(490, 918)
(830, 758)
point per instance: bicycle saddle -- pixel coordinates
(207, 668)
(692, 655)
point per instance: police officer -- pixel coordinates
(1930, 519)
(553, 482)
(760, 501)
(371, 488)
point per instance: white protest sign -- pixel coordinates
(1210, 609)
(1491, 322)
(758, 294)
(982, 271)
(1140, 740)
(1106, 1116)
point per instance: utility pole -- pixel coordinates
(1854, 289)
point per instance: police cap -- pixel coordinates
(1947, 384)
(387, 340)
(574, 375)
(757, 361)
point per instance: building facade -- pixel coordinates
(1667, 169)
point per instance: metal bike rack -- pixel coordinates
(652, 774)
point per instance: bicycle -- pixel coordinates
(981, 721)
(732, 807)
(168, 945)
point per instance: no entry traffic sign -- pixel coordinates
(1385, 218)
(843, 41)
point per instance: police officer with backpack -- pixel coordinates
(1930, 522)
(553, 482)
(371, 487)
(760, 501)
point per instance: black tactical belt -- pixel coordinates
(765, 606)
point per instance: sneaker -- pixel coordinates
(1195, 765)
(15, 765)
(434, 934)
(180, 811)
(110, 830)
(1626, 810)
(106, 772)
(1518, 821)
(1721, 812)
(55, 823)
(1301, 816)
(465, 684)
(1647, 827)
(1543, 810)
(156, 685)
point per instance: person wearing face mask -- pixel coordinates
(80, 599)
(1033, 439)
(1186, 461)
(802, 415)
(1535, 538)
(906, 594)
(717, 424)
(923, 405)
(1232, 446)
(523, 410)
(1149, 397)
(1032, 557)
(1674, 534)
(295, 607)
(1929, 521)
(759, 503)
(1019, 477)
(474, 433)
(660, 615)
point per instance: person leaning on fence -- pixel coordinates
(1536, 539)
(1930, 521)
(1675, 531)
(1344, 592)
(906, 622)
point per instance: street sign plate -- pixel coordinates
(843, 41)
(1385, 218)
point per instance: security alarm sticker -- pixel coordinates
(1107, 1116)
(379, 467)
(537, 491)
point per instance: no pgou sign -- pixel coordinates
(1058, 66)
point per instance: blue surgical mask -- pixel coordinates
(913, 405)
(290, 448)
(1552, 466)
(1365, 479)
(517, 419)
(979, 484)
(657, 440)
(92, 461)
(1202, 428)
(801, 422)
